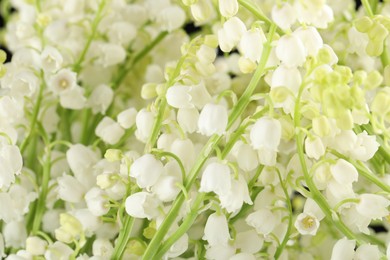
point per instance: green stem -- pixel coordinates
(34, 120)
(84, 132)
(187, 223)
(161, 108)
(127, 68)
(77, 66)
(246, 96)
(367, 7)
(248, 4)
(123, 238)
(41, 205)
(282, 245)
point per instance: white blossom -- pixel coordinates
(146, 170)
(291, 50)
(216, 230)
(284, 15)
(109, 130)
(213, 119)
(142, 205)
(216, 178)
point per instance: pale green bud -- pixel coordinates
(148, 91)
(135, 247)
(70, 224)
(3, 56)
(359, 77)
(363, 24)
(309, 110)
(374, 48)
(374, 80)
(381, 103)
(113, 155)
(386, 74)
(378, 32)
(345, 73)
(3, 70)
(324, 56)
(246, 65)
(357, 96)
(345, 120)
(321, 126)
(189, 2)
(211, 40)
(105, 181)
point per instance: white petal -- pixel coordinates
(291, 51)
(344, 172)
(343, 249)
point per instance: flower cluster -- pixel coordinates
(263, 133)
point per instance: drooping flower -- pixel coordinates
(216, 230)
(213, 119)
(146, 170)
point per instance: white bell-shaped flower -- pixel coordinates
(343, 249)
(216, 230)
(178, 96)
(235, 198)
(310, 38)
(249, 241)
(284, 15)
(73, 98)
(288, 77)
(11, 164)
(366, 147)
(220, 252)
(213, 119)
(178, 248)
(96, 200)
(188, 119)
(314, 147)
(199, 95)
(165, 188)
(144, 122)
(51, 59)
(307, 224)
(313, 209)
(70, 189)
(185, 150)
(142, 205)
(336, 192)
(126, 118)
(56, 249)
(203, 11)
(266, 134)
(291, 50)
(146, 170)
(109, 130)
(263, 220)
(110, 54)
(216, 178)
(229, 36)
(171, 18)
(251, 44)
(24, 83)
(63, 80)
(81, 159)
(100, 99)
(344, 172)
(206, 54)
(373, 206)
(228, 8)
(247, 158)
(122, 32)
(367, 251)
(102, 247)
(35, 245)
(14, 234)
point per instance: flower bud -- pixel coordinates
(216, 230)
(146, 170)
(36, 246)
(109, 131)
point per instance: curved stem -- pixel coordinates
(77, 66)
(367, 7)
(127, 68)
(41, 205)
(123, 238)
